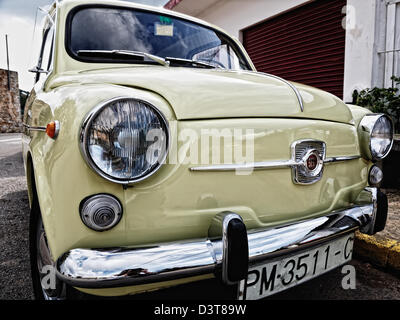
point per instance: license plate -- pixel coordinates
(282, 273)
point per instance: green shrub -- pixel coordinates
(381, 100)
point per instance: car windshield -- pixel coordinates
(109, 29)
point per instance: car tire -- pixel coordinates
(49, 288)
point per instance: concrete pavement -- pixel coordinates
(15, 282)
(10, 143)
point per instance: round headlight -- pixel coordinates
(125, 140)
(376, 136)
(375, 176)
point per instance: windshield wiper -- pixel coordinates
(192, 62)
(123, 53)
(141, 55)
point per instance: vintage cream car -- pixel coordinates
(156, 155)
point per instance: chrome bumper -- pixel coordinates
(105, 268)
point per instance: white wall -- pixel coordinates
(372, 26)
(370, 37)
(360, 42)
(235, 15)
(387, 47)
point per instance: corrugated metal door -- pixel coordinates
(306, 45)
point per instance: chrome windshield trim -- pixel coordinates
(267, 165)
(115, 267)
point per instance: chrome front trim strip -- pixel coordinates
(248, 166)
(340, 159)
(113, 267)
(267, 165)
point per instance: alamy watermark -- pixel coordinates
(49, 278)
(207, 146)
(349, 278)
(350, 20)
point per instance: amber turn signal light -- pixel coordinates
(52, 129)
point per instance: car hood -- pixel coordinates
(215, 94)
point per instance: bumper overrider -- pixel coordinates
(227, 252)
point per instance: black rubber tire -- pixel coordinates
(35, 221)
(382, 212)
(33, 225)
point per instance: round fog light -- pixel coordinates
(375, 176)
(100, 212)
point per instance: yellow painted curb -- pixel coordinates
(394, 257)
(379, 250)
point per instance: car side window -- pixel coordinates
(46, 51)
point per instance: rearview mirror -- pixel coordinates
(38, 70)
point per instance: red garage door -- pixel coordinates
(304, 45)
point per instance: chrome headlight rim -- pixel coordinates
(367, 125)
(84, 133)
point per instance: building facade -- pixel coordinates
(10, 110)
(336, 45)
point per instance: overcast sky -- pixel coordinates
(17, 20)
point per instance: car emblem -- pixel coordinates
(312, 162)
(309, 156)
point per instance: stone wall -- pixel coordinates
(10, 110)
